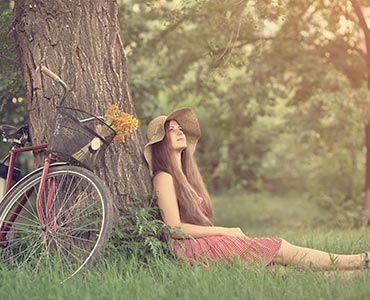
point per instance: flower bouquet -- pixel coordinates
(122, 123)
(115, 122)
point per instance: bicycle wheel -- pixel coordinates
(77, 211)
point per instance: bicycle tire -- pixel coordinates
(77, 226)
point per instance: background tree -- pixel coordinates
(80, 41)
(197, 54)
(280, 88)
(366, 56)
(318, 54)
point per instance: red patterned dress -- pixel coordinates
(226, 248)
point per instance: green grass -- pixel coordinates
(166, 279)
(261, 214)
(116, 278)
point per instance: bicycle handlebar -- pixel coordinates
(57, 79)
(49, 73)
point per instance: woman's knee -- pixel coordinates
(284, 243)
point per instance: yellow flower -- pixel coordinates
(122, 122)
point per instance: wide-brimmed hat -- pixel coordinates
(156, 131)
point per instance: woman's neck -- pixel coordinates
(178, 160)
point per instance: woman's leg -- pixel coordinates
(299, 256)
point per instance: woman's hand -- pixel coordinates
(234, 232)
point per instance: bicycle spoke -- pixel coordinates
(76, 238)
(32, 254)
(24, 208)
(68, 193)
(78, 216)
(15, 258)
(71, 252)
(83, 217)
(76, 203)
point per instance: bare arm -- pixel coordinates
(167, 202)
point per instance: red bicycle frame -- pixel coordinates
(11, 159)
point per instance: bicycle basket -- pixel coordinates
(80, 137)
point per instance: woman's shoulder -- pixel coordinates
(162, 176)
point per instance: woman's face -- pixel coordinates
(176, 138)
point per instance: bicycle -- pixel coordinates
(59, 216)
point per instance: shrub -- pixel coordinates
(345, 211)
(139, 232)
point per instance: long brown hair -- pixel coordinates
(188, 183)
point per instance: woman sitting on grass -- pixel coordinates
(185, 204)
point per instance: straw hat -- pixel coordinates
(156, 133)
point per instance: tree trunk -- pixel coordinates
(80, 41)
(366, 31)
(367, 178)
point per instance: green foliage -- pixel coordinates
(280, 87)
(10, 78)
(346, 211)
(13, 109)
(138, 231)
(317, 55)
(194, 54)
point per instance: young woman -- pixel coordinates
(185, 204)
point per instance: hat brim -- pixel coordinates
(156, 131)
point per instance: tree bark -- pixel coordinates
(80, 41)
(367, 178)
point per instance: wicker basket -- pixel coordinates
(80, 137)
